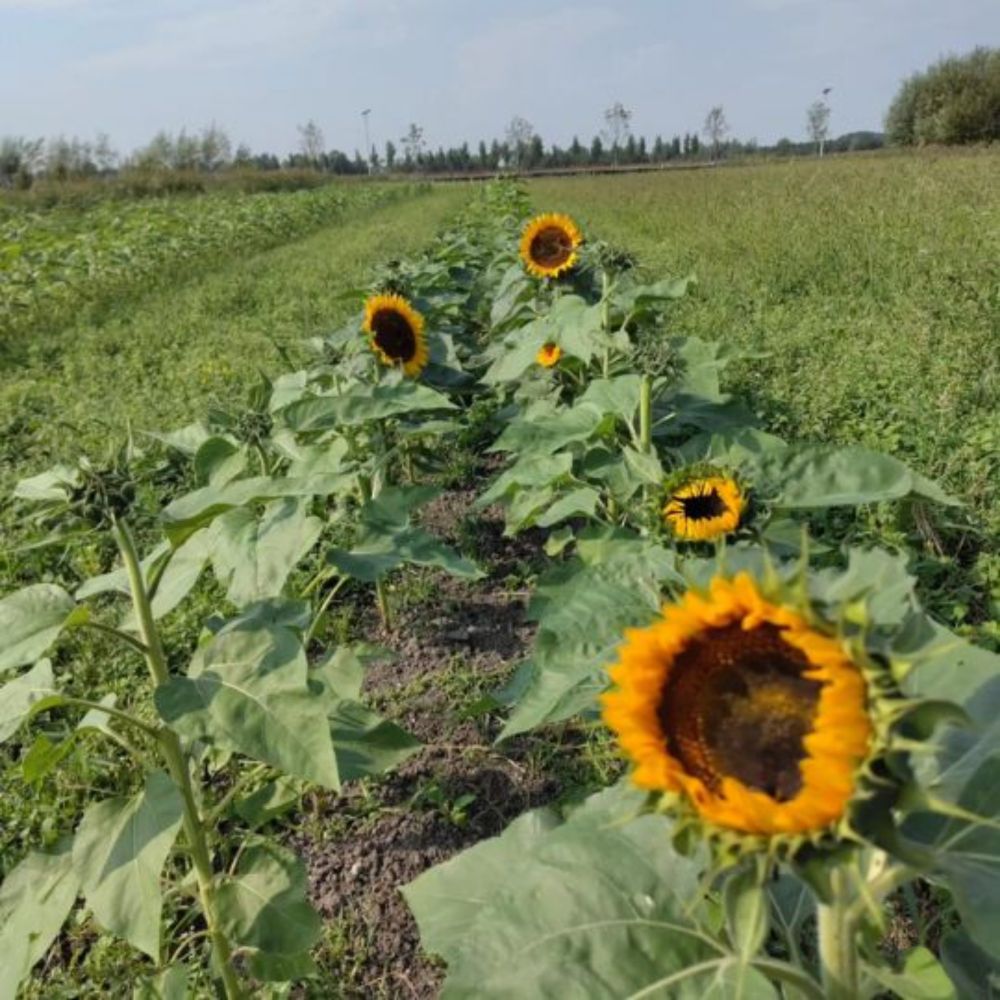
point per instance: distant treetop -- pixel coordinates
(955, 101)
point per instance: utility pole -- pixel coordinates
(368, 145)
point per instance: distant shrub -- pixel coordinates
(955, 101)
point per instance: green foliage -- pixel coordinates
(954, 101)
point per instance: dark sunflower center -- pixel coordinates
(736, 705)
(394, 335)
(551, 247)
(703, 506)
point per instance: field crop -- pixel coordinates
(54, 261)
(379, 598)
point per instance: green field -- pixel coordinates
(866, 294)
(860, 297)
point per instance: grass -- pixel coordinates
(159, 362)
(865, 292)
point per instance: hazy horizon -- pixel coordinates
(262, 67)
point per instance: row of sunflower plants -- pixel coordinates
(803, 741)
(789, 713)
(283, 503)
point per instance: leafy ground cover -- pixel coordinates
(338, 585)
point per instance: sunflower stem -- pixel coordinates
(178, 766)
(606, 319)
(645, 414)
(838, 953)
(383, 603)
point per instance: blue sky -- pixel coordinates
(462, 68)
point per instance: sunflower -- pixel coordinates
(703, 508)
(755, 718)
(549, 244)
(548, 355)
(396, 332)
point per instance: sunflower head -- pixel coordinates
(755, 720)
(549, 245)
(549, 355)
(703, 505)
(396, 332)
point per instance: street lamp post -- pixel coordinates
(368, 145)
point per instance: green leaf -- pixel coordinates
(975, 973)
(533, 470)
(253, 556)
(30, 621)
(361, 403)
(921, 978)
(53, 484)
(618, 395)
(188, 513)
(119, 850)
(170, 984)
(579, 503)
(35, 900)
(271, 800)
(265, 906)
(270, 968)
(247, 691)
(746, 908)
(218, 461)
(822, 477)
(543, 430)
(365, 743)
(441, 899)
(18, 698)
(43, 756)
(600, 907)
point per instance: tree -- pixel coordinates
(954, 101)
(596, 151)
(413, 144)
(616, 127)
(390, 155)
(818, 122)
(311, 142)
(215, 148)
(715, 129)
(519, 135)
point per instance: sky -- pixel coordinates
(462, 68)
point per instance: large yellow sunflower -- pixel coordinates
(549, 244)
(548, 355)
(704, 508)
(396, 332)
(759, 720)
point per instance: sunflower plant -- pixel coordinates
(799, 748)
(221, 736)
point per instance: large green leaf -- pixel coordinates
(30, 621)
(361, 403)
(518, 353)
(119, 850)
(387, 541)
(920, 978)
(975, 973)
(531, 470)
(253, 556)
(582, 608)
(600, 907)
(35, 900)
(247, 691)
(543, 430)
(365, 743)
(618, 395)
(170, 984)
(822, 477)
(21, 697)
(264, 906)
(188, 513)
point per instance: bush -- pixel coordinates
(955, 101)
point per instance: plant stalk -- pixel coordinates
(646, 414)
(838, 953)
(606, 320)
(177, 765)
(383, 603)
